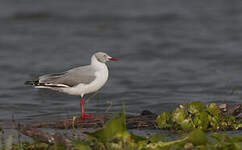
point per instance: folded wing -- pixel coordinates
(71, 78)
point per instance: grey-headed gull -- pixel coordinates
(78, 81)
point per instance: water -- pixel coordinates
(170, 52)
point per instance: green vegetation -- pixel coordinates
(114, 136)
(196, 116)
(193, 117)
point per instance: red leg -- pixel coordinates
(83, 115)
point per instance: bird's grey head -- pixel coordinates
(103, 57)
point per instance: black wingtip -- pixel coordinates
(31, 83)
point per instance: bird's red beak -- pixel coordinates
(113, 59)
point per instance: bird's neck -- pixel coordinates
(97, 64)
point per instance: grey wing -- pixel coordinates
(73, 77)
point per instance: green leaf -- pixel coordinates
(178, 115)
(195, 107)
(214, 122)
(197, 137)
(114, 128)
(164, 145)
(164, 120)
(187, 124)
(201, 120)
(213, 109)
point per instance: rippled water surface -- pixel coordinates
(170, 52)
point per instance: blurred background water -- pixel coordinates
(170, 52)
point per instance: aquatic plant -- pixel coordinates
(196, 116)
(115, 136)
(121, 139)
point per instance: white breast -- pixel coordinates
(101, 79)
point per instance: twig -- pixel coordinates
(109, 107)
(46, 137)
